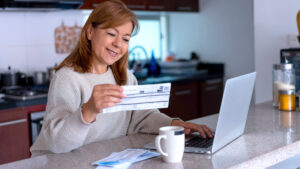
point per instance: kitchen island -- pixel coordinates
(269, 137)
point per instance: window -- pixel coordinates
(151, 37)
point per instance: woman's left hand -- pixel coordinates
(190, 128)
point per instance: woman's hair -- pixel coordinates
(108, 14)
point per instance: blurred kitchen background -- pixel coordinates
(245, 35)
(194, 44)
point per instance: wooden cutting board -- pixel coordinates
(66, 38)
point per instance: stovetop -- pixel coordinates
(25, 93)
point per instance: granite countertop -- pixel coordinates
(195, 77)
(269, 137)
(10, 104)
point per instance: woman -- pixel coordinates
(89, 80)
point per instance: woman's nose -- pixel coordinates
(117, 42)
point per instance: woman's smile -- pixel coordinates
(111, 52)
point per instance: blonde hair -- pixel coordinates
(108, 14)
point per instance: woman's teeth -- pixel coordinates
(112, 53)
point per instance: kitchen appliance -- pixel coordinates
(40, 78)
(36, 120)
(42, 4)
(11, 78)
(24, 93)
(292, 56)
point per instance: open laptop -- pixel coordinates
(232, 117)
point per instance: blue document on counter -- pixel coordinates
(141, 97)
(290, 163)
(124, 158)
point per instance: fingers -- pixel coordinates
(203, 130)
(104, 96)
(109, 90)
(187, 131)
(208, 131)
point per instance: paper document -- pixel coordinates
(140, 97)
(124, 158)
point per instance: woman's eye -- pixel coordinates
(126, 40)
(111, 34)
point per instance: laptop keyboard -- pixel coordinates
(200, 142)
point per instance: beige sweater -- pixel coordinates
(64, 128)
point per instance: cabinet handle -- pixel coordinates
(136, 6)
(13, 122)
(213, 81)
(184, 92)
(157, 7)
(185, 8)
(211, 88)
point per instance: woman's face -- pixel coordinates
(109, 45)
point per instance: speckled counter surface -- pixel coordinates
(271, 136)
(10, 104)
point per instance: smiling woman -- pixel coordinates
(89, 80)
(106, 17)
(108, 45)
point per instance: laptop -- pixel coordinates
(232, 117)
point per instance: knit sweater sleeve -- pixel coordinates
(147, 121)
(64, 128)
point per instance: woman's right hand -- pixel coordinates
(103, 96)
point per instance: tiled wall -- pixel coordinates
(27, 38)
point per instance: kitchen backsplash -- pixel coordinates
(27, 40)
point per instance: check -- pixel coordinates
(140, 97)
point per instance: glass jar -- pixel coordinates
(287, 100)
(283, 79)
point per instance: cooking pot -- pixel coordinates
(11, 78)
(51, 72)
(40, 78)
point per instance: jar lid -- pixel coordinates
(283, 66)
(287, 91)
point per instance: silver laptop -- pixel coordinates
(232, 117)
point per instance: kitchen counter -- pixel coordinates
(269, 137)
(7, 104)
(175, 79)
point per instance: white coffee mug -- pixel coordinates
(170, 143)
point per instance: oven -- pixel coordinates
(36, 122)
(20, 94)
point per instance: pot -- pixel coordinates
(9, 78)
(40, 78)
(51, 72)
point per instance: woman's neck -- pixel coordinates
(100, 69)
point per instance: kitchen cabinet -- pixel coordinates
(186, 5)
(195, 99)
(183, 101)
(210, 96)
(136, 4)
(14, 132)
(152, 5)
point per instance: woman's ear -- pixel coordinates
(89, 31)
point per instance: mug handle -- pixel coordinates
(157, 144)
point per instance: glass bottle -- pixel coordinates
(153, 67)
(283, 79)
